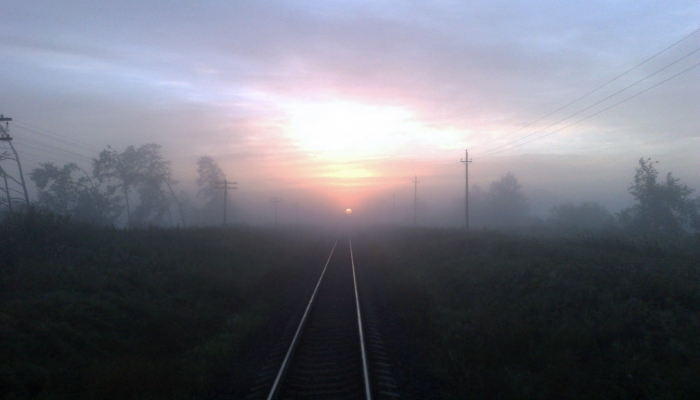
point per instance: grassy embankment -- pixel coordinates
(90, 312)
(514, 317)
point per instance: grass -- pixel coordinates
(89, 312)
(513, 317)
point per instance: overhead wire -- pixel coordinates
(41, 150)
(592, 91)
(35, 151)
(33, 154)
(491, 151)
(54, 149)
(598, 112)
(53, 135)
(80, 147)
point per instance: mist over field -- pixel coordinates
(335, 105)
(176, 177)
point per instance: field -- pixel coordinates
(505, 316)
(89, 312)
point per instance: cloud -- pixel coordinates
(223, 78)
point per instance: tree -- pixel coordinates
(506, 203)
(155, 187)
(57, 187)
(210, 176)
(586, 216)
(122, 169)
(663, 209)
(83, 197)
(145, 170)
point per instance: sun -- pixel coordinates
(348, 211)
(345, 131)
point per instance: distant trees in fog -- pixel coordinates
(144, 170)
(136, 187)
(588, 216)
(105, 193)
(662, 209)
(210, 177)
(504, 206)
(70, 190)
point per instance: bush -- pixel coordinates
(516, 317)
(94, 312)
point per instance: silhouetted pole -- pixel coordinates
(7, 189)
(275, 200)
(466, 162)
(226, 185)
(415, 201)
(5, 137)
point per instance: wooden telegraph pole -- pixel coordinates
(415, 201)
(466, 162)
(5, 137)
(226, 185)
(275, 200)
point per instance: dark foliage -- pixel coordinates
(586, 217)
(89, 312)
(512, 317)
(504, 206)
(663, 210)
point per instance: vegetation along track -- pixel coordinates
(328, 355)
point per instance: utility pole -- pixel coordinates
(275, 200)
(5, 137)
(466, 162)
(379, 209)
(415, 201)
(7, 189)
(226, 185)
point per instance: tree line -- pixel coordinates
(663, 209)
(134, 187)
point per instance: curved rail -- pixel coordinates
(288, 356)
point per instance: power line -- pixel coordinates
(594, 104)
(592, 91)
(57, 150)
(45, 137)
(605, 109)
(53, 135)
(42, 145)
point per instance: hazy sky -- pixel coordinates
(345, 101)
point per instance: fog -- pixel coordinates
(336, 105)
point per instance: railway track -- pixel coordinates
(329, 352)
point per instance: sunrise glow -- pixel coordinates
(328, 105)
(349, 131)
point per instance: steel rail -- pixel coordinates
(288, 356)
(365, 369)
